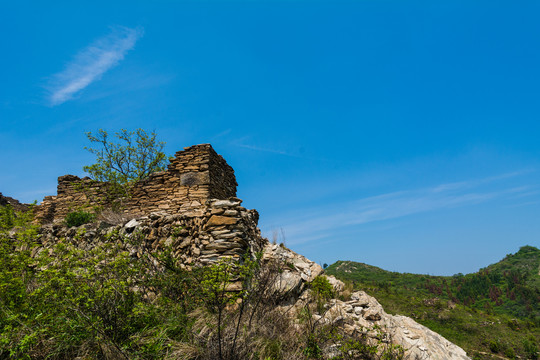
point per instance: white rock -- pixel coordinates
(225, 203)
(132, 224)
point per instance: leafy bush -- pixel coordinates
(86, 303)
(312, 350)
(322, 288)
(494, 346)
(531, 349)
(7, 217)
(78, 218)
(509, 353)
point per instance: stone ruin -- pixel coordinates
(196, 175)
(191, 207)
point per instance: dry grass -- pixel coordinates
(114, 217)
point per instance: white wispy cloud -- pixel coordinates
(91, 63)
(259, 148)
(321, 222)
(241, 143)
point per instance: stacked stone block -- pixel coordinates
(73, 193)
(223, 228)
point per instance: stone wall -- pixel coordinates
(222, 228)
(196, 175)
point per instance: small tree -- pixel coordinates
(131, 158)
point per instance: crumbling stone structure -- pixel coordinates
(17, 206)
(221, 228)
(196, 175)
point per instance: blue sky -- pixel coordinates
(401, 134)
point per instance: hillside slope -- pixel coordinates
(493, 311)
(190, 286)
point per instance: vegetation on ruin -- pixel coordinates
(103, 302)
(128, 157)
(78, 218)
(494, 312)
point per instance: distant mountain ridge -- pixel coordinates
(513, 281)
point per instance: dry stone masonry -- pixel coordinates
(196, 175)
(222, 229)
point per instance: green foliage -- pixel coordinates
(7, 217)
(132, 157)
(494, 346)
(219, 288)
(177, 231)
(393, 352)
(322, 288)
(84, 302)
(78, 218)
(312, 350)
(356, 348)
(98, 301)
(531, 348)
(509, 353)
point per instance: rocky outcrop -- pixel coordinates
(296, 271)
(360, 314)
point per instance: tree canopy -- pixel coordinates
(126, 158)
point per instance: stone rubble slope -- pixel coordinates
(223, 228)
(363, 313)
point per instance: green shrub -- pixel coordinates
(494, 346)
(350, 348)
(322, 288)
(312, 349)
(509, 352)
(7, 217)
(78, 218)
(531, 350)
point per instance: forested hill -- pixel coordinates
(511, 286)
(526, 262)
(496, 309)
